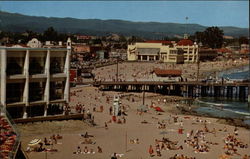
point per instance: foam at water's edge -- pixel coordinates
(238, 109)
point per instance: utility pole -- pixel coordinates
(198, 65)
(186, 28)
(143, 99)
(198, 70)
(117, 68)
(126, 142)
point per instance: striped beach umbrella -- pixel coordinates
(34, 142)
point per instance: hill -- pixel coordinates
(19, 23)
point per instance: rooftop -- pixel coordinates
(159, 41)
(185, 42)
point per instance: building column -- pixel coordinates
(47, 85)
(3, 77)
(26, 86)
(66, 71)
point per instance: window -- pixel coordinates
(15, 65)
(36, 91)
(57, 90)
(144, 57)
(14, 92)
(151, 58)
(36, 65)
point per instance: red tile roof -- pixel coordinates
(159, 41)
(185, 42)
(11, 45)
(160, 72)
(224, 50)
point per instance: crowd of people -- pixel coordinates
(46, 145)
(181, 156)
(232, 143)
(144, 71)
(87, 140)
(7, 138)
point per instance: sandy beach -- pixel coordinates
(133, 138)
(142, 71)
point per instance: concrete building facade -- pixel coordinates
(34, 81)
(182, 52)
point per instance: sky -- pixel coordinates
(207, 13)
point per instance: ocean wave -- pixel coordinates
(238, 112)
(211, 103)
(223, 107)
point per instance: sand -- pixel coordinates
(114, 138)
(141, 71)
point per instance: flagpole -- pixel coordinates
(186, 25)
(126, 142)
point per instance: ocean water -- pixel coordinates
(236, 74)
(221, 107)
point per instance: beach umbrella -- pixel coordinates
(34, 142)
(158, 109)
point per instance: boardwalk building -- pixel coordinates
(34, 81)
(185, 51)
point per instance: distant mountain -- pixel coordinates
(153, 30)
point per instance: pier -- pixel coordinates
(192, 89)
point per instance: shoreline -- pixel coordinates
(218, 72)
(239, 122)
(183, 109)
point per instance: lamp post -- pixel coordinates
(198, 62)
(117, 57)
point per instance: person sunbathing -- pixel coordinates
(166, 140)
(78, 150)
(86, 135)
(85, 150)
(173, 147)
(151, 151)
(46, 141)
(58, 136)
(144, 122)
(88, 141)
(99, 149)
(134, 141)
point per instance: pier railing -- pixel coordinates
(191, 89)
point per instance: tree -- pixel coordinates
(50, 34)
(213, 37)
(122, 38)
(243, 40)
(199, 37)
